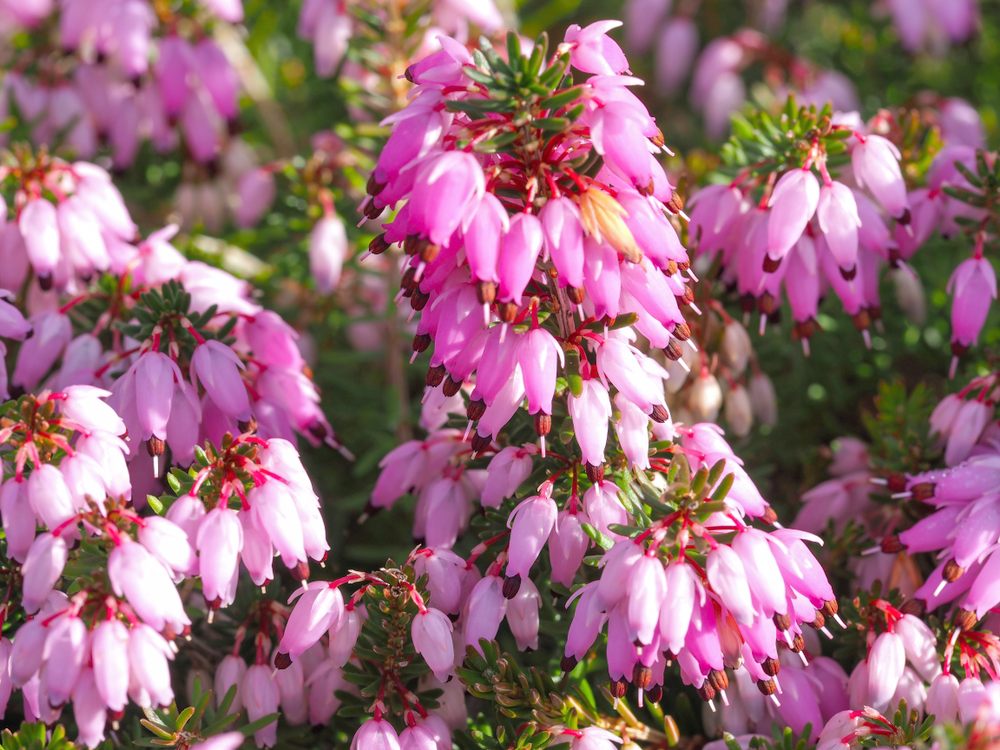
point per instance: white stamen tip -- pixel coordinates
(774, 699)
(211, 616)
(953, 368)
(879, 481)
(788, 638)
(541, 441)
(684, 216)
(413, 357)
(503, 332)
(468, 429)
(843, 625)
(685, 365)
(826, 631)
(805, 661)
(805, 347)
(867, 336)
(902, 495)
(692, 275)
(762, 326)
(693, 306)
(694, 346)
(304, 584)
(156, 466)
(724, 697)
(711, 705)
(940, 587)
(871, 550)
(420, 271)
(641, 695)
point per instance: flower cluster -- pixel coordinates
(124, 72)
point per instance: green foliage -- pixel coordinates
(36, 736)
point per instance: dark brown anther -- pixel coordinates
(766, 687)
(282, 661)
(481, 443)
(155, 446)
(672, 351)
(508, 312)
(770, 666)
(806, 329)
(373, 210)
(575, 294)
(771, 264)
(300, 572)
(435, 375)
(409, 281)
(706, 692)
(672, 267)
(675, 204)
(618, 688)
(429, 252)
(595, 473)
(642, 677)
(819, 622)
(849, 273)
(830, 607)
(896, 482)
(952, 571)
(419, 300)
(475, 409)
(568, 663)
(958, 349)
(45, 281)
(486, 291)
(748, 303)
(718, 679)
(769, 515)
(373, 186)
(688, 296)
(451, 386)
(683, 266)
(511, 585)
(862, 321)
(682, 332)
(891, 545)
(913, 607)
(767, 304)
(798, 643)
(420, 342)
(543, 424)
(782, 622)
(654, 693)
(659, 413)
(922, 491)
(875, 312)
(904, 218)
(411, 244)
(965, 620)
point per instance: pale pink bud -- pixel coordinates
(530, 524)
(886, 662)
(275, 512)
(217, 367)
(26, 652)
(564, 239)
(38, 354)
(228, 674)
(260, 698)
(219, 540)
(632, 429)
(837, 214)
(646, 588)
(604, 509)
(540, 356)
(590, 412)
(38, 223)
(375, 734)
(675, 53)
(522, 615)
(109, 649)
(793, 203)
(169, 544)
(293, 696)
(592, 51)
(505, 473)
(155, 374)
(431, 633)
(145, 583)
(969, 424)
(483, 236)
(738, 410)
(567, 545)
(728, 579)
(148, 654)
(875, 162)
(942, 698)
(327, 251)
(18, 518)
(588, 619)
(973, 287)
(256, 194)
(484, 611)
(344, 632)
(313, 613)
(678, 605)
(42, 567)
(619, 566)
(66, 652)
(520, 249)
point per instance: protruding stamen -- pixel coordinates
(843, 625)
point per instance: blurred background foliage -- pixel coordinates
(372, 395)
